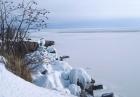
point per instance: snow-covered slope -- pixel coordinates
(13, 86)
(52, 77)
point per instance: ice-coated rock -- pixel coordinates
(74, 89)
(45, 81)
(51, 49)
(79, 74)
(65, 75)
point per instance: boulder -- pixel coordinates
(97, 87)
(64, 57)
(83, 93)
(108, 95)
(49, 43)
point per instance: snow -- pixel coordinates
(59, 75)
(48, 72)
(61, 66)
(13, 86)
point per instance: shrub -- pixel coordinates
(16, 21)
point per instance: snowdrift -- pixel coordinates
(13, 86)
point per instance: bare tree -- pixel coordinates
(16, 21)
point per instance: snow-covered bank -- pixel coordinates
(56, 77)
(13, 86)
(53, 74)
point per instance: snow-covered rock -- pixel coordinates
(51, 49)
(38, 57)
(79, 75)
(65, 75)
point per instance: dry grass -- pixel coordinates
(16, 65)
(15, 62)
(15, 54)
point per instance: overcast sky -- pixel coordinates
(68, 10)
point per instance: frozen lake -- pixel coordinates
(113, 59)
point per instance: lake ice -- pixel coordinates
(112, 59)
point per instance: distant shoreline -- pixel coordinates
(101, 31)
(90, 30)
